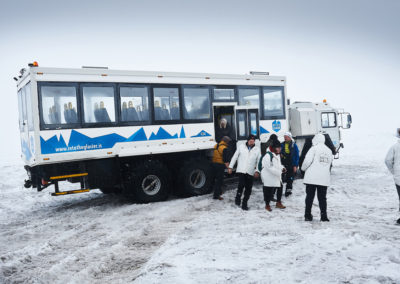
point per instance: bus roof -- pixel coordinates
(93, 74)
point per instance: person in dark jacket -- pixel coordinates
(290, 160)
(220, 161)
(224, 129)
(265, 145)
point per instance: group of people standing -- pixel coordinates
(277, 164)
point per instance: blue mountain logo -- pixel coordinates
(202, 134)
(81, 142)
(162, 134)
(263, 130)
(182, 135)
(25, 150)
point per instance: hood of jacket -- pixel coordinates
(318, 139)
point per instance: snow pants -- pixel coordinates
(246, 183)
(269, 193)
(218, 178)
(288, 177)
(321, 194)
(278, 190)
(398, 192)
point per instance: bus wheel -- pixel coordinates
(148, 182)
(110, 190)
(195, 177)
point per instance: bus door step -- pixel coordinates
(81, 176)
(70, 192)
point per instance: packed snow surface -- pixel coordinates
(96, 238)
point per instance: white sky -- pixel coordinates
(344, 51)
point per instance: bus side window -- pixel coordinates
(99, 104)
(166, 103)
(59, 104)
(273, 102)
(249, 97)
(196, 103)
(134, 101)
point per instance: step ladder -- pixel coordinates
(83, 181)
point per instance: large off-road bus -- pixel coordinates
(141, 134)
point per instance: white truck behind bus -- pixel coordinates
(307, 119)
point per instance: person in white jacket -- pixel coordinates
(316, 165)
(246, 156)
(271, 174)
(392, 162)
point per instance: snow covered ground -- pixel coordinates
(95, 238)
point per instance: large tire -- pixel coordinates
(195, 177)
(110, 190)
(147, 182)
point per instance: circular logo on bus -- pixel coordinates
(276, 125)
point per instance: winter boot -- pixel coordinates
(218, 198)
(268, 208)
(398, 221)
(244, 205)
(288, 192)
(280, 205)
(308, 217)
(324, 218)
(238, 199)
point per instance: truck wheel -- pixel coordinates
(148, 182)
(195, 177)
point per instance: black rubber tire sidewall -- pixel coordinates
(186, 187)
(139, 173)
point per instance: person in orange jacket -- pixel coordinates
(220, 161)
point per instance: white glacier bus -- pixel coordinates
(143, 134)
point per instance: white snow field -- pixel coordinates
(95, 238)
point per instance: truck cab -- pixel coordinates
(307, 119)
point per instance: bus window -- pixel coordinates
(98, 103)
(196, 103)
(242, 124)
(328, 119)
(28, 99)
(224, 94)
(166, 104)
(22, 114)
(253, 123)
(134, 103)
(273, 102)
(249, 97)
(59, 104)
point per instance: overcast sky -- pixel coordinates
(344, 51)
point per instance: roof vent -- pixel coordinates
(259, 73)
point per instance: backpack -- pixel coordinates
(260, 162)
